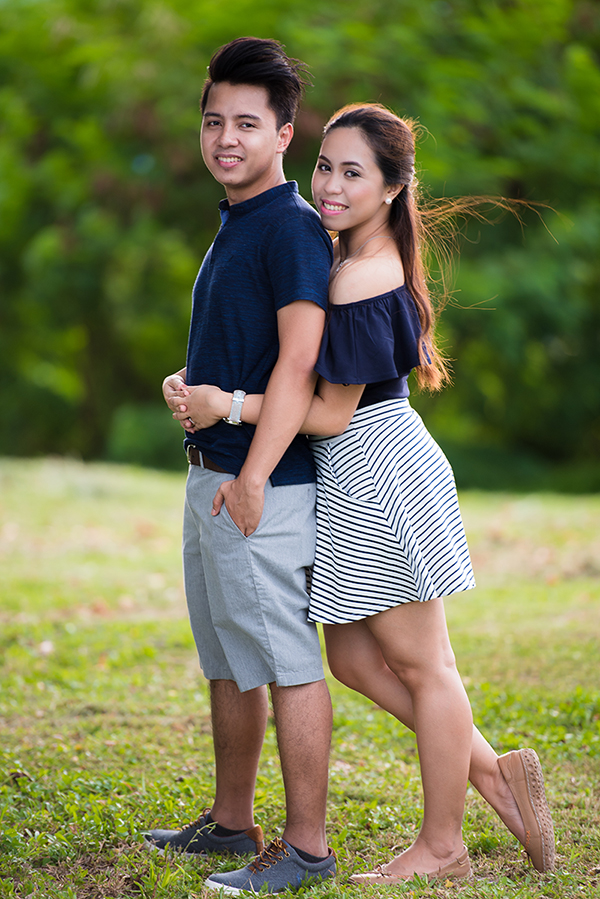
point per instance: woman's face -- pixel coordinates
(347, 184)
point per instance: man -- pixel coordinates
(258, 314)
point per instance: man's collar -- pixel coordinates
(262, 199)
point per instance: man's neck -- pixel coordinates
(240, 195)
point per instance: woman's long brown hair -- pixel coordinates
(418, 228)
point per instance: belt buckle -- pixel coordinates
(188, 452)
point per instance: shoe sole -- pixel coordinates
(431, 878)
(229, 891)
(463, 872)
(537, 804)
(236, 891)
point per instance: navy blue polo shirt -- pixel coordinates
(270, 250)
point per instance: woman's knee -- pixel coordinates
(350, 652)
(416, 670)
(344, 669)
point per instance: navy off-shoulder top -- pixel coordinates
(373, 342)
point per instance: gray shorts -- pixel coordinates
(247, 596)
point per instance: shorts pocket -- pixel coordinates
(231, 523)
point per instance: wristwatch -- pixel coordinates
(235, 415)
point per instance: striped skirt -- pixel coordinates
(389, 529)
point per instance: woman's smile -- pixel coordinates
(327, 206)
(347, 185)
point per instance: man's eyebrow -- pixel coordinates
(241, 115)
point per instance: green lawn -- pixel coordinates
(105, 718)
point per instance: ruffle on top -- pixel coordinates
(373, 340)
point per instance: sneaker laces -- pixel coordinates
(198, 823)
(270, 855)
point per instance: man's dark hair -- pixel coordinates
(264, 63)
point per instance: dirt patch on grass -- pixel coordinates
(90, 877)
(111, 873)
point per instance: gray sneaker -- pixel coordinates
(277, 868)
(198, 838)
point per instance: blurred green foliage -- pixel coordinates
(106, 210)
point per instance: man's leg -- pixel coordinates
(303, 718)
(239, 721)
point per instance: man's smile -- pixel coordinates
(228, 160)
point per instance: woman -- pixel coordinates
(390, 540)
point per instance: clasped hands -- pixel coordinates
(201, 407)
(195, 407)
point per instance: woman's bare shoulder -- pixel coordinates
(366, 278)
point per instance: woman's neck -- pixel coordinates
(354, 246)
(350, 242)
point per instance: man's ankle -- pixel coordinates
(307, 857)
(220, 830)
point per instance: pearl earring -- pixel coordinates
(388, 201)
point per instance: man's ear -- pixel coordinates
(286, 134)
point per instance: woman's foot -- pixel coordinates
(401, 869)
(492, 785)
(522, 773)
(408, 864)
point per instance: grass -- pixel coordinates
(105, 717)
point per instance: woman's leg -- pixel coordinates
(356, 660)
(414, 642)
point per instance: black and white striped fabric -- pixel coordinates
(389, 529)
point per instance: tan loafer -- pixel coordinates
(522, 772)
(458, 869)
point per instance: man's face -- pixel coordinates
(241, 144)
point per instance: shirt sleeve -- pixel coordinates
(299, 258)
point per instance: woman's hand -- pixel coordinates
(200, 407)
(173, 385)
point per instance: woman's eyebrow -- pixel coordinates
(349, 162)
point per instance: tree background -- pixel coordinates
(106, 211)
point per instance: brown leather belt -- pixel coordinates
(195, 457)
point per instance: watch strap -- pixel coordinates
(237, 401)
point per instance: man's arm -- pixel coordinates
(286, 402)
(330, 412)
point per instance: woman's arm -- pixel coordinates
(332, 407)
